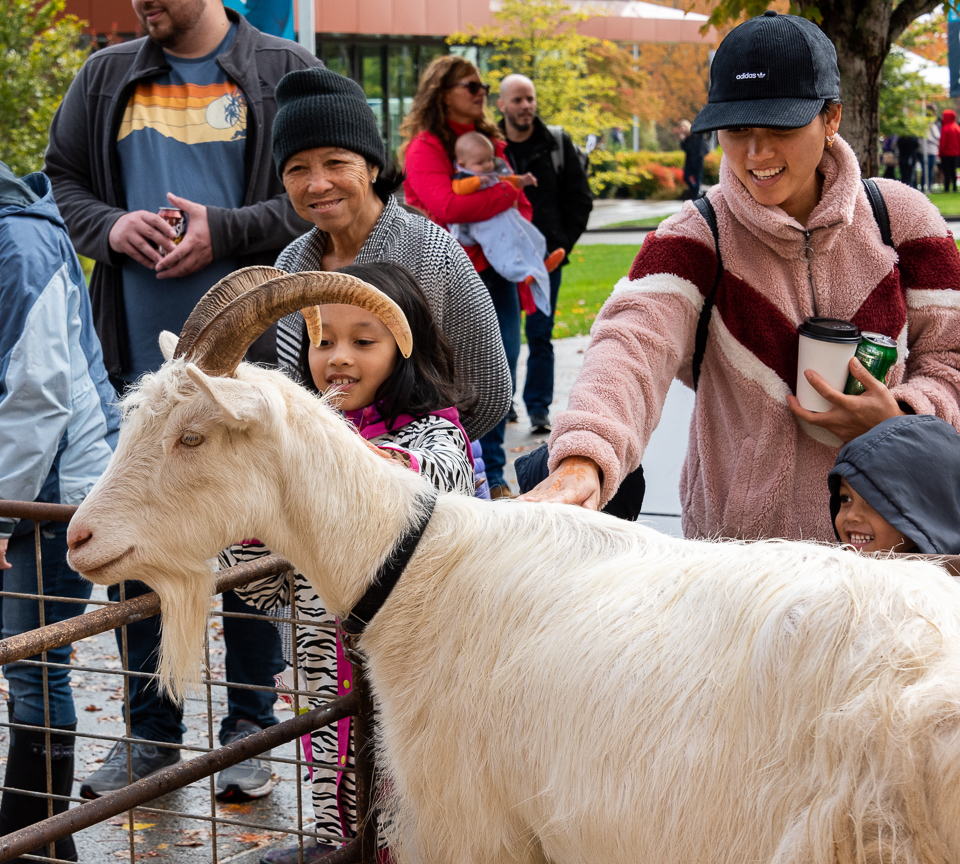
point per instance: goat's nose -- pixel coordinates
(77, 534)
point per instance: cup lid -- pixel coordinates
(830, 330)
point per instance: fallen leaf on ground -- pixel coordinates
(251, 837)
(236, 808)
(193, 837)
(93, 708)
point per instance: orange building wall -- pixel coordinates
(409, 18)
(103, 15)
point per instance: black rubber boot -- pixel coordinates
(27, 770)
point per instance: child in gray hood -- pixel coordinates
(897, 488)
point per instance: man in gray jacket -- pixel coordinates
(182, 119)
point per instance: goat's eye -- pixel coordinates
(191, 439)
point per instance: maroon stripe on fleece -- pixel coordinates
(678, 256)
(759, 326)
(930, 262)
(885, 309)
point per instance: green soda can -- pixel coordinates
(877, 353)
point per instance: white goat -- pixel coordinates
(554, 684)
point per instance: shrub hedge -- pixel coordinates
(644, 174)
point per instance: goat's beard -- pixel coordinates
(185, 603)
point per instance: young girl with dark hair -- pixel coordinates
(407, 408)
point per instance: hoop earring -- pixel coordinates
(830, 141)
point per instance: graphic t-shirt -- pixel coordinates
(183, 132)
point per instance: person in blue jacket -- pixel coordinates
(58, 429)
(896, 488)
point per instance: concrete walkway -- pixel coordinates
(610, 211)
(664, 455)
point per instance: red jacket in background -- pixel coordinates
(950, 134)
(429, 187)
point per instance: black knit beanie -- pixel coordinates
(319, 108)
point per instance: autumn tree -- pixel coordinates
(39, 57)
(903, 96)
(862, 32)
(583, 83)
(677, 75)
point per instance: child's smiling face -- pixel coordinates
(356, 355)
(861, 527)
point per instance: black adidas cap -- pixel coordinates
(774, 71)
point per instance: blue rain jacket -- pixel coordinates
(58, 422)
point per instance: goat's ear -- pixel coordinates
(168, 344)
(237, 399)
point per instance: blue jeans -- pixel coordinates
(19, 616)
(506, 303)
(929, 163)
(253, 656)
(538, 388)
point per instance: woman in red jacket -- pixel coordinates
(949, 149)
(450, 101)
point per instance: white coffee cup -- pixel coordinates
(826, 346)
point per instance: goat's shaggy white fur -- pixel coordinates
(554, 684)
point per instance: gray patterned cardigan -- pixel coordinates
(457, 296)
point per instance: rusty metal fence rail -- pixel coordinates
(135, 799)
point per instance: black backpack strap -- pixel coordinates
(703, 324)
(879, 207)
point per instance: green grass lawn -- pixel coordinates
(587, 282)
(647, 222)
(947, 202)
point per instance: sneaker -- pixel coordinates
(252, 778)
(501, 490)
(540, 424)
(312, 852)
(145, 759)
(512, 414)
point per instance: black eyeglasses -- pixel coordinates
(474, 87)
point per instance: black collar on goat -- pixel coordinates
(389, 573)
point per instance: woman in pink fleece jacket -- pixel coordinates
(798, 238)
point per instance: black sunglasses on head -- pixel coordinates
(474, 87)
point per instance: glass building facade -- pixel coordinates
(388, 69)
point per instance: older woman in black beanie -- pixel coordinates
(331, 159)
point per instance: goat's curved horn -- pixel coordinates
(219, 349)
(227, 289)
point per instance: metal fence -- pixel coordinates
(166, 828)
(228, 832)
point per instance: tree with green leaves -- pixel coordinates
(39, 57)
(862, 32)
(903, 97)
(583, 83)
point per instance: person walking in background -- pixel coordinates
(949, 149)
(930, 147)
(908, 145)
(694, 152)
(562, 202)
(450, 101)
(181, 117)
(888, 157)
(58, 428)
